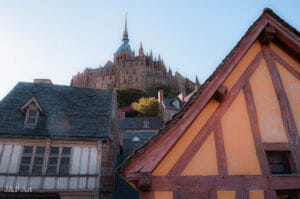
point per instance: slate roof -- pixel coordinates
(122, 190)
(137, 123)
(169, 103)
(142, 135)
(69, 112)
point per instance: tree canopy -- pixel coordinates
(126, 96)
(146, 106)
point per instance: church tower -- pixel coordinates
(128, 70)
(124, 52)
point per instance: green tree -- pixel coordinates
(126, 96)
(169, 91)
(146, 106)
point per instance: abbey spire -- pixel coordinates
(141, 50)
(125, 33)
(124, 47)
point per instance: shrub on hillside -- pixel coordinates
(146, 106)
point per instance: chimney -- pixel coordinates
(43, 81)
(181, 97)
(160, 96)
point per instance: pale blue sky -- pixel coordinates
(55, 39)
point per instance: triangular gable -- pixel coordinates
(31, 101)
(269, 26)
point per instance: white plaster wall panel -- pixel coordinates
(22, 182)
(35, 182)
(14, 162)
(91, 182)
(75, 160)
(10, 181)
(84, 160)
(5, 158)
(93, 160)
(73, 183)
(82, 183)
(49, 183)
(62, 183)
(2, 181)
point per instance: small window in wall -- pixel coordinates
(31, 117)
(288, 194)
(31, 110)
(36, 161)
(280, 162)
(32, 160)
(59, 160)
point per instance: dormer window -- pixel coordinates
(31, 117)
(32, 111)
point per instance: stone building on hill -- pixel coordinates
(129, 70)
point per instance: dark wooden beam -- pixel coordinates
(144, 181)
(252, 113)
(201, 184)
(283, 63)
(220, 150)
(267, 35)
(277, 146)
(287, 49)
(270, 194)
(146, 195)
(242, 194)
(220, 93)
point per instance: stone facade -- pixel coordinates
(129, 70)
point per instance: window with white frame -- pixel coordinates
(32, 110)
(31, 117)
(59, 160)
(36, 160)
(32, 160)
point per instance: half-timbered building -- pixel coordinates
(239, 135)
(56, 142)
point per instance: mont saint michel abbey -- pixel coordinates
(129, 70)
